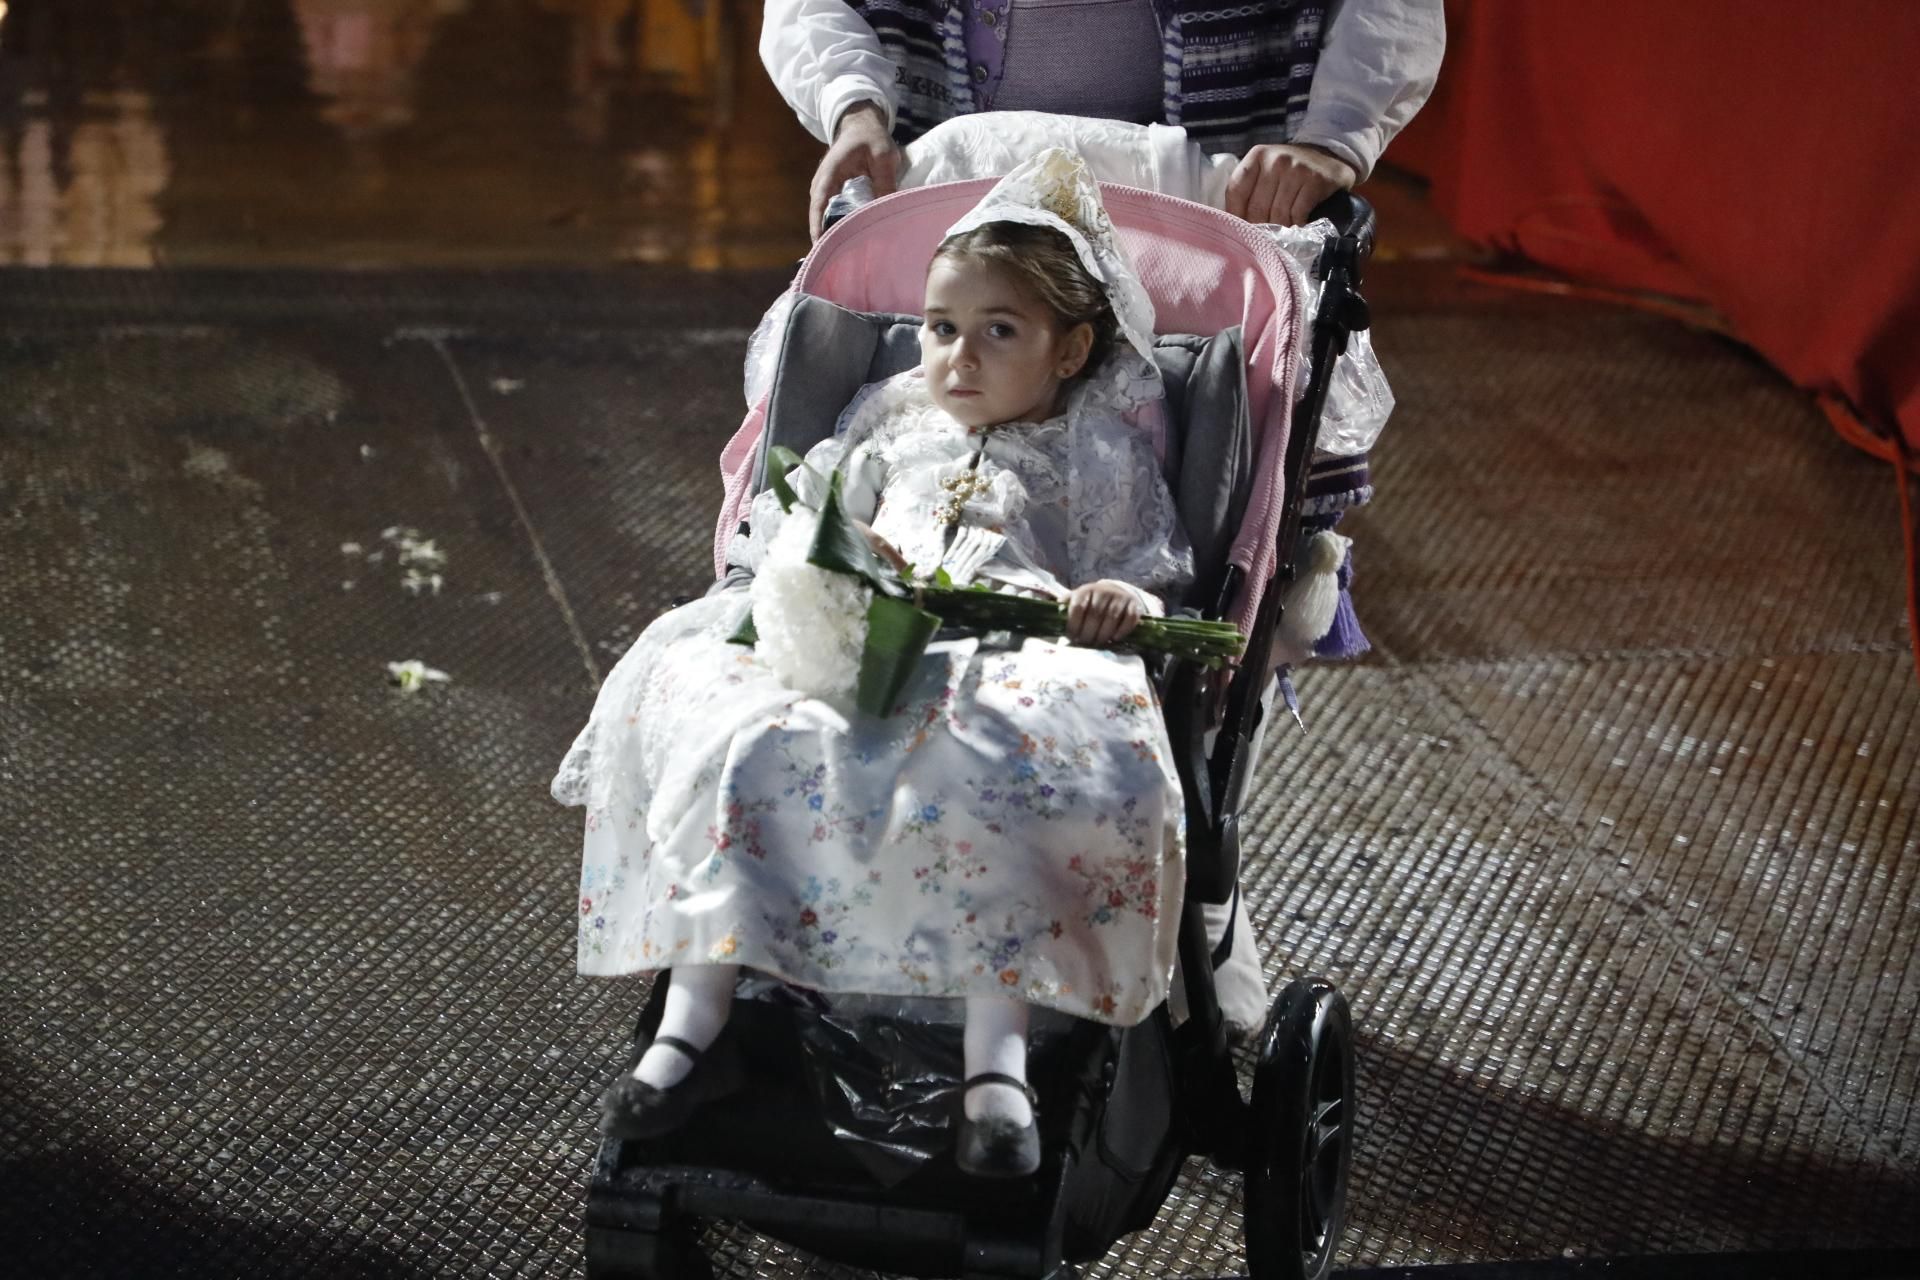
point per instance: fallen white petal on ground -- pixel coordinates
(413, 675)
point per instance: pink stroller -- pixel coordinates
(838, 1146)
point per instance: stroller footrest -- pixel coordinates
(787, 1215)
(961, 1241)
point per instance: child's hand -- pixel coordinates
(1102, 612)
(884, 549)
(1282, 183)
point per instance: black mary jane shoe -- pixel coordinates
(997, 1147)
(631, 1108)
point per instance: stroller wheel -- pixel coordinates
(614, 1254)
(1303, 1111)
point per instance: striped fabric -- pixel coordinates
(1244, 69)
(926, 39)
(1236, 75)
(1335, 484)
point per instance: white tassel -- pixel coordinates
(1312, 602)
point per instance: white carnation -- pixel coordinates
(811, 622)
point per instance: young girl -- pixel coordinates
(1011, 834)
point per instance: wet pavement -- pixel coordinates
(1612, 841)
(367, 133)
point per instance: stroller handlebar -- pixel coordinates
(1352, 217)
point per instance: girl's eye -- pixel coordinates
(943, 329)
(1001, 330)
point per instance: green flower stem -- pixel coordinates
(1209, 643)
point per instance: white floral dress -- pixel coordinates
(1014, 827)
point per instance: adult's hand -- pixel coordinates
(1281, 183)
(862, 147)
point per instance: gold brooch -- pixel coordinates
(959, 490)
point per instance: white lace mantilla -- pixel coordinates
(1056, 189)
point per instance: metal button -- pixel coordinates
(979, 73)
(989, 17)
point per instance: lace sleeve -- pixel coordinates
(1125, 525)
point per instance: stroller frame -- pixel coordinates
(1179, 1088)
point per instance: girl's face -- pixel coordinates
(993, 352)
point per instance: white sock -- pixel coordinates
(996, 1040)
(699, 998)
(1238, 984)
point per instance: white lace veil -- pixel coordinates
(1126, 525)
(1056, 189)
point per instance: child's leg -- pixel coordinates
(996, 1040)
(699, 998)
(998, 1138)
(1238, 983)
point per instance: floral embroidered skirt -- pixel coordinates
(1013, 828)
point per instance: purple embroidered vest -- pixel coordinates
(1233, 74)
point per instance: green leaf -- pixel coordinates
(839, 545)
(980, 608)
(781, 460)
(941, 578)
(897, 634)
(745, 633)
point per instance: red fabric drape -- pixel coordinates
(1762, 156)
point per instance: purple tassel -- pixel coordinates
(1344, 639)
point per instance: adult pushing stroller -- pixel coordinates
(839, 1143)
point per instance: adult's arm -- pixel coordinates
(824, 58)
(1377, 66)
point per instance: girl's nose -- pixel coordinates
(963, 356)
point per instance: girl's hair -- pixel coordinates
(1042, 261)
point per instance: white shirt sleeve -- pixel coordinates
(824, 58)
(1377, 66)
